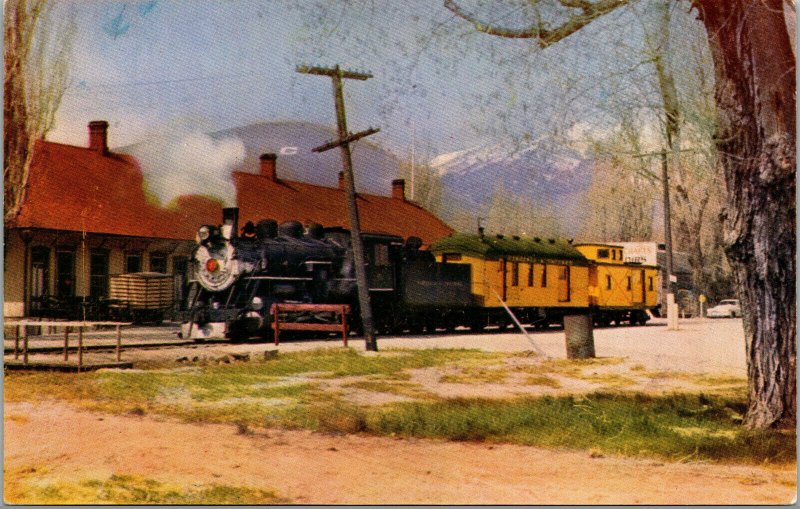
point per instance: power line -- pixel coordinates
(83, 85)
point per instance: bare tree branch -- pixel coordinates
(589, 11)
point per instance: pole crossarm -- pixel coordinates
(344, 141)
(333, 71)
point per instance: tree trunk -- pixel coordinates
(16, 140)
(755, 93)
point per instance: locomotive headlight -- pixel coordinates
(212, 265)
(203, 233)
(256, 304)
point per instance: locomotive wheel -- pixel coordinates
(356, 327)
(477, 325)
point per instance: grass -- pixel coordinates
(399, 388)
(288, 392)
(543, 380)
(701, 379)
(573, 368)
(476, 375)
(21, 486)
(610, 380)
(257, 392)
(627, 424)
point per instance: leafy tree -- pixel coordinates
(36, 55)
(664, 103)
(756, 140)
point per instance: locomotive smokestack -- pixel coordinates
(341, 180)
(98, 136)
(399, 189)
(268, 166)
(230, 222)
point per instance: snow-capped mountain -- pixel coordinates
(551, 178)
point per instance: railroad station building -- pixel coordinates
(86, 217)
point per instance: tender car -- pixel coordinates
(727, 308)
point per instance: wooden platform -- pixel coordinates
(62, 366)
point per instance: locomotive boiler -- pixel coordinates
(238, 277)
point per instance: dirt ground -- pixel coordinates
(311, 468)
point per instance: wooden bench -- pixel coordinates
(340, 309)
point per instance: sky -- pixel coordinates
(146, 65)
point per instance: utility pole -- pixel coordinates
(413, 139)
(672, 309)
(345, 138)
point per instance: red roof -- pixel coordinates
(80, 189)
(260, 197)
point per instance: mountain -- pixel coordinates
(374, 166)
(549, 179)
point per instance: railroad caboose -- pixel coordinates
(619, 291)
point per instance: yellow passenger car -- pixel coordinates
(539, 279)
(619, 291)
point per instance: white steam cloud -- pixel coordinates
(184, 161)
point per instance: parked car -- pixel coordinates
(726, 308)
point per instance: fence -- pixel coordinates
(67, 326)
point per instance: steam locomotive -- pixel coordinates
(463, 280)
(238, 277)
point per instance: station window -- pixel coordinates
(98, 273)
(544, 276)
(133, 262)
(602, 253)
(608, 282)
(650, 283)
(514, 273)
(40, 277)
(613, 254)
(158, 262)
(381, 255)
(530, 274)
(65, 273)
(630, 285)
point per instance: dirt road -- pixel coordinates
(312, 468)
